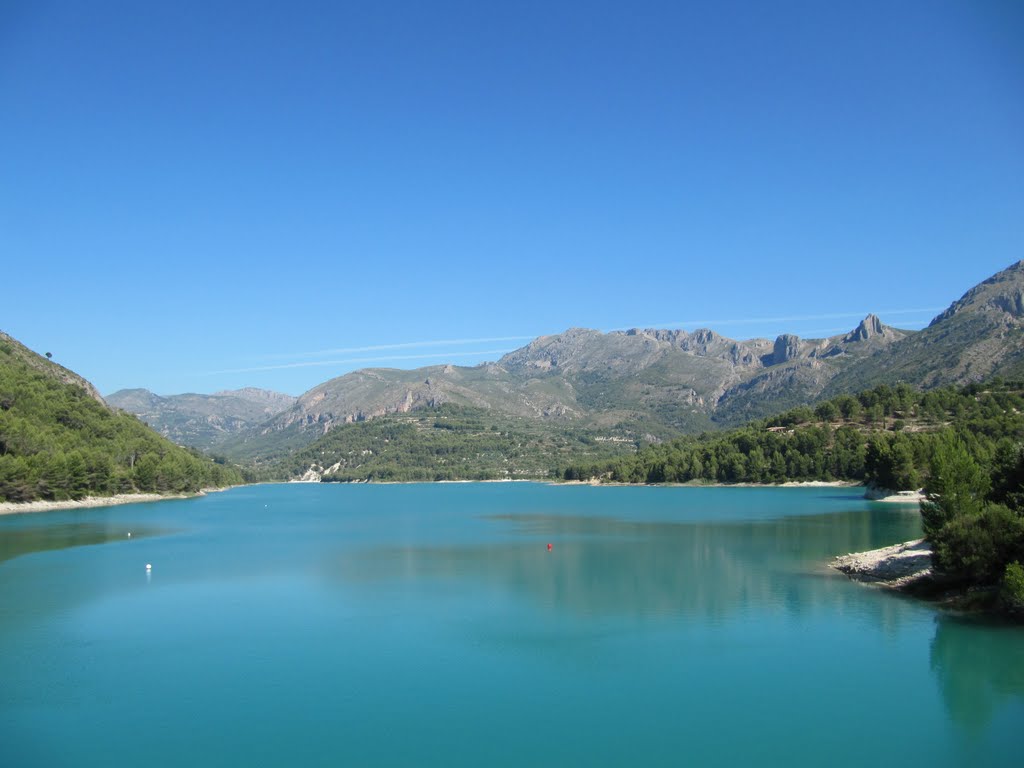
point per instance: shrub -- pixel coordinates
(977, 548)
(1013, 586)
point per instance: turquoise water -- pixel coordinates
(429, 625)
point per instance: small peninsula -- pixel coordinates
(902, 567)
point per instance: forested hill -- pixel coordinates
(445, 443)
(884, 437)
(59, 440)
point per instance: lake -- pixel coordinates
(380, 625)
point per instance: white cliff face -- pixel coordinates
(311, 475)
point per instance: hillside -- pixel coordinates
(978, 336)
(59, 440)
(447, 443)
(202, 421)
(20, 355)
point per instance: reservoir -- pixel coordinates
(432, 625)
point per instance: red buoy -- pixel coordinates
(550, 547)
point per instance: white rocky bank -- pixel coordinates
(897, 567)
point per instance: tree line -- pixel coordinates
(884, 437)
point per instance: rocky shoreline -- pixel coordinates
(21, 507)
(907, 568)
(903, 566)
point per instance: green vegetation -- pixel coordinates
(974, 517)
(448, 443)
(884, 437)
(57, 442)
(1013, 587)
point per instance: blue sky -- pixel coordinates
(205, 195)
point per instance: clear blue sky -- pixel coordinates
(206, 195)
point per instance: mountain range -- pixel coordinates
(635, 385)
(202, 421)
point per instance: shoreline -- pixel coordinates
(870, 494)
(95, 502)
(902, 567)
(906, 569)
(787, 484)
(889, 497)
(900, 497)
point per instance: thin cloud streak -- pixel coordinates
(299, 363)
(398, 345)
(352, 360)
(789, 319)
(822, 333)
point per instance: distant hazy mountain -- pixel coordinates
(203, 421)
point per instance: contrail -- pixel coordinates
(822, 333)
(399, 345)
(491, 339)
(787, 319)
(350, 360)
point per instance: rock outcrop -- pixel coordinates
(787, 347)
(900, 566)
(870, 327)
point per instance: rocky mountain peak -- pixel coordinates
(787, 347)
(547, 352)
(1003, 293)
(870, 327)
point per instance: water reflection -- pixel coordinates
(16, 541)
(604, 566)
(979, 667)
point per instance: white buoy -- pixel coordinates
(129, 534)
(149, 566)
